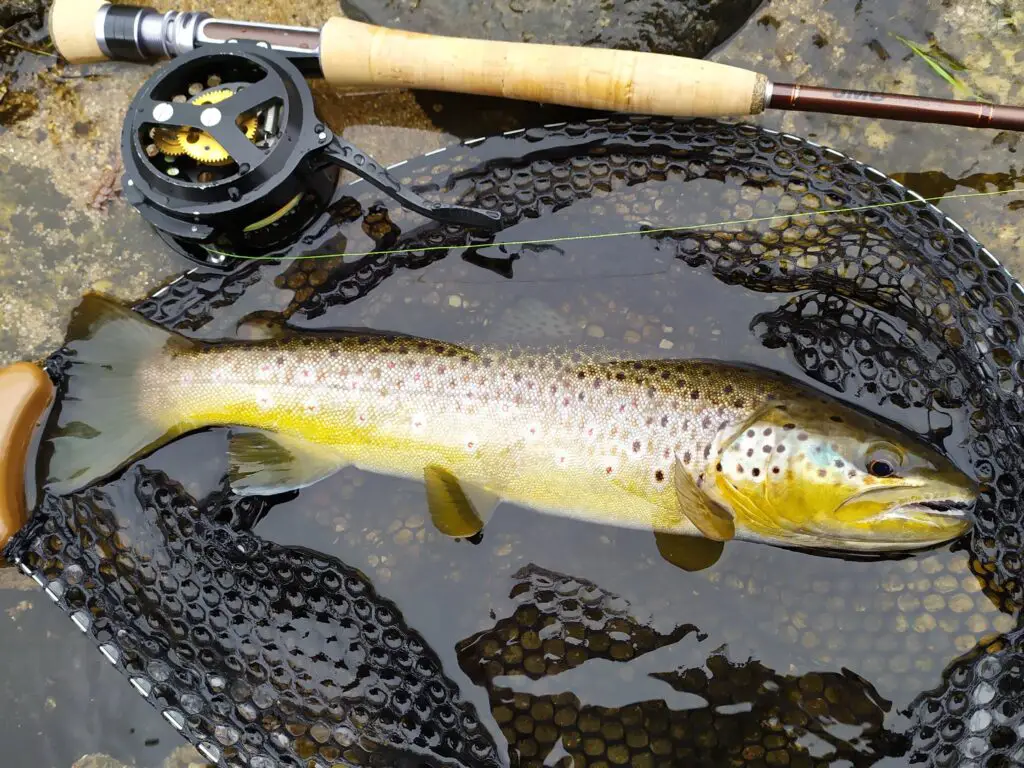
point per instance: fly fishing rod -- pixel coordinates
(351, 53)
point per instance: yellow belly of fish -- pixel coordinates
(531, 456)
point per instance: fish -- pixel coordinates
(700, 452)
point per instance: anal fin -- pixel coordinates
(263, 463)
(457, 508)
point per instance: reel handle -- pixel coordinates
(25, 394)
(353, 53)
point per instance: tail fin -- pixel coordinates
(100, 426)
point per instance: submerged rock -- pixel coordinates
(680, 27)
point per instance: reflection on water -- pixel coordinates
(602, 654)
(693, 705)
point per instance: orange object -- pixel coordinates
(25, 393)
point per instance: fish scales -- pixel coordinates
(572, 437)
(700, 449)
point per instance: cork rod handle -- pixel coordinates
(357, 54)
(72, 25)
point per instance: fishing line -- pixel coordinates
(609, 235)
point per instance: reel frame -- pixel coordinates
(219, 144)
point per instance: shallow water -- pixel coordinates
(891, 622)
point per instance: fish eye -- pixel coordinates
(883, 463)
(880, 468)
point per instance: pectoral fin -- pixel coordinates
(261, 463)
(711, 520)
(458, 509)
(688, 552)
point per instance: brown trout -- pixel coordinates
(698, 449)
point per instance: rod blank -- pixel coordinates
(352, 53)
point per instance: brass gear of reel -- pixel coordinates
(201, 146)
(166, 140)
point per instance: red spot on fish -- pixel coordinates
(607, 470)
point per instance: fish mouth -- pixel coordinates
(942, 504)
(909, 520)
(945, 507)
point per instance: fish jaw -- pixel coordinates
(906, 516)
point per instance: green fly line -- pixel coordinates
(608, 235)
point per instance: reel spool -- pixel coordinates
(224, 148)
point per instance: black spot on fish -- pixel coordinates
(659, 475)
(737, 403)
(728, 389)
(750, 433)
(755, 471)
(581, 375)
(620, 376)
(852, 473)
(280, 360)
(706, 422)
(781, 449)
(822, 473)
(837, 419)
(636, 446)
(802, 436)
(840, 464)
(665, 375)
(694, 395)
(707, 450)
(788, 427)
(766, 449)
(638, 366)
(686, 458)
(664, 421)
(332, 353)
(750, 452)
(767, 431)
(739, 468)
(718, 467)
(775, 470)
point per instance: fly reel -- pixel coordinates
(225, 149)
